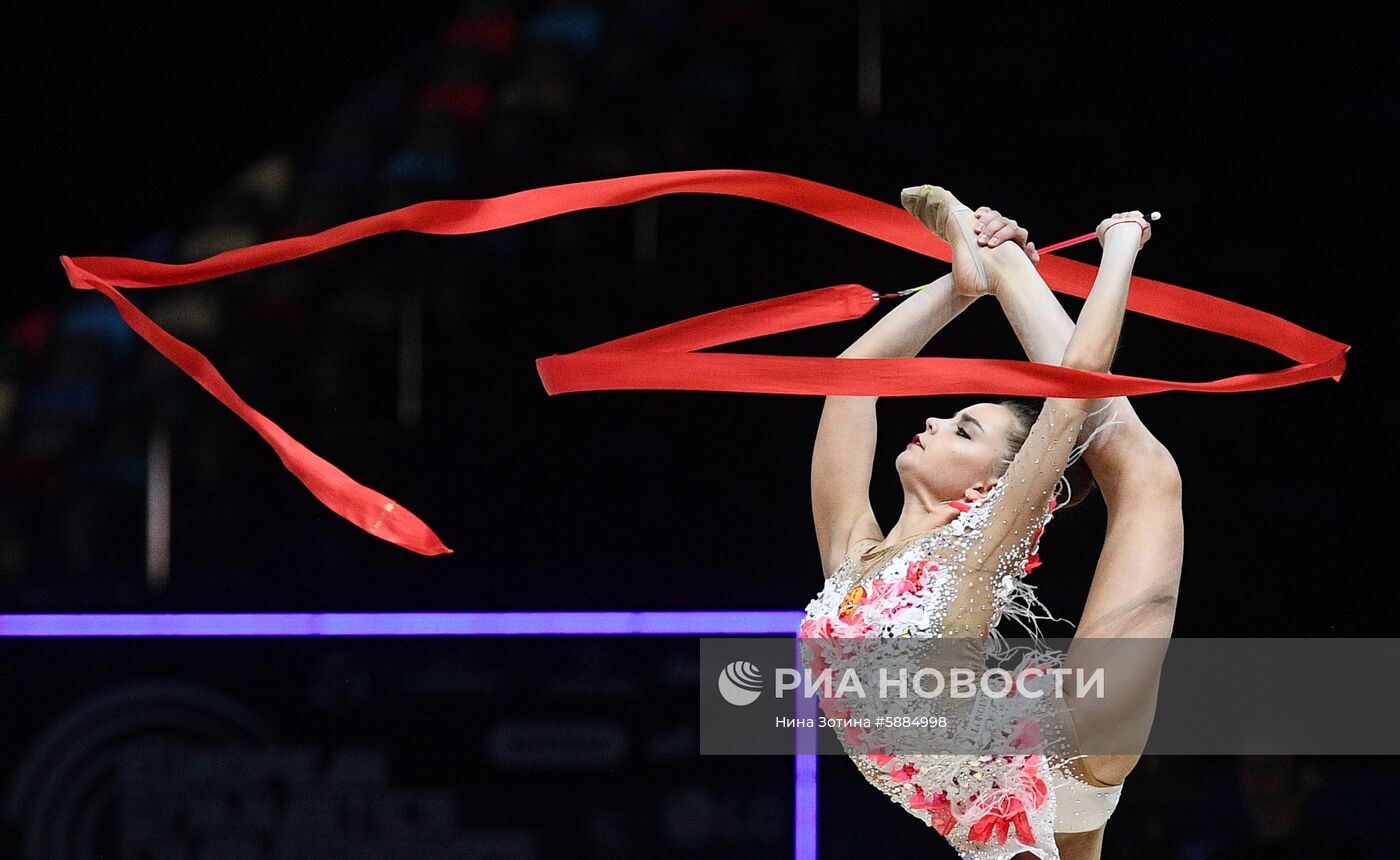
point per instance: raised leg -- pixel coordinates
(1132, 596)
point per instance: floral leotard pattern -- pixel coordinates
(958, 582)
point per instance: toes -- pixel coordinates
(932, 205)
(917, 203)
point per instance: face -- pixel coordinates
(950, 455)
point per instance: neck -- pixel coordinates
(918, 517)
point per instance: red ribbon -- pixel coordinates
(665, 357)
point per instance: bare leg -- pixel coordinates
(1134, 590)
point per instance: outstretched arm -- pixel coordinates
(910, 325)
(1020, 498)
(1043, 328)
(1095, 337)
(844, 453)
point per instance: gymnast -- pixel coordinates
(979, 487)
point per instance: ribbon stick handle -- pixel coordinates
(1154, 216)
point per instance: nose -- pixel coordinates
(932, 425)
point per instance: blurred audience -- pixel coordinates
(507, 96)
(1280, 819)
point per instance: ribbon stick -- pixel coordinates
(666, 357)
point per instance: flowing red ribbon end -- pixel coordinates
(667, 357)
(355, 502)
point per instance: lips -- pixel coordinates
(916, 441)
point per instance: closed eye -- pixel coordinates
(962, 431)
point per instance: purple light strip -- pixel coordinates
(783, 623)
(406, 624)
(804, 829)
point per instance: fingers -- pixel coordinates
(998, 230)
(993, 230)
(1008, 233)
(1134, 217)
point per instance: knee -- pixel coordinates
(1143, 468)
(1159, 467)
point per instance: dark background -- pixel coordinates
(1265, 141)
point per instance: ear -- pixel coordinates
(980, 489)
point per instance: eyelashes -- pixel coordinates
(962, 431)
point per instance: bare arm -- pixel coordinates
(1021, 495)
(844, 452)
(1043, 328)
(1095, 336)
(907, 329)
